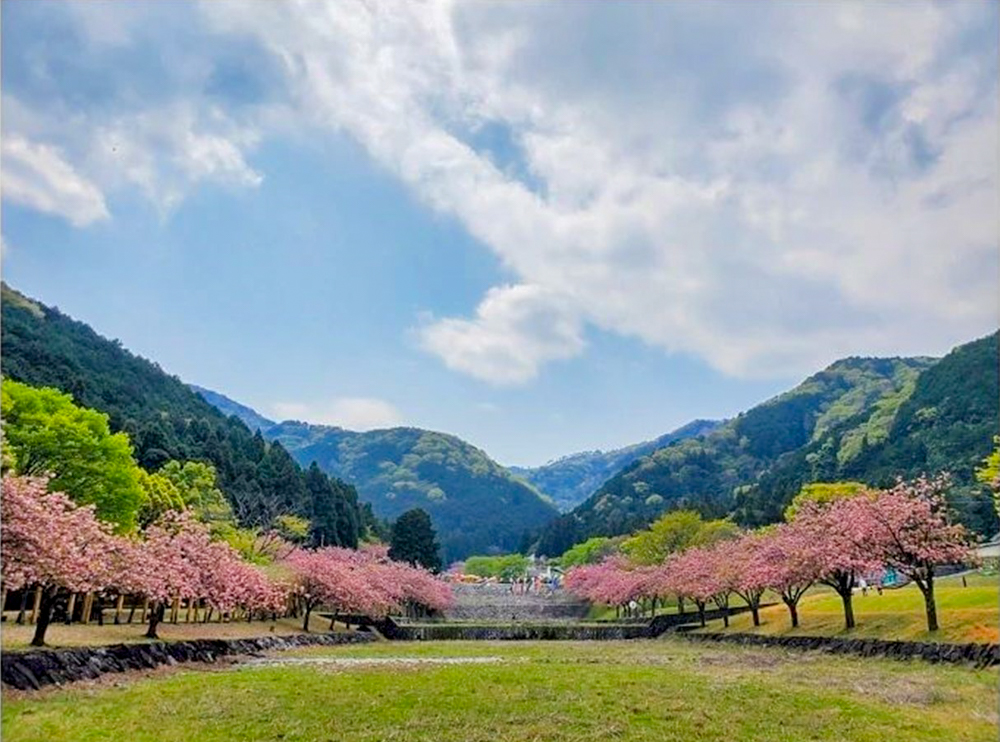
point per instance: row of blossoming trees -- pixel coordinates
(837, 543)
(58, 548)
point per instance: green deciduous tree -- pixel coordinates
(46, 433)
(822, 493)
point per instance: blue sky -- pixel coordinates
(544, 227)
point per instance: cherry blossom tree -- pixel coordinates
(747, 557)
(49, 542)
(837, 532)
(908, 527)
(691, 575)
(790, 565)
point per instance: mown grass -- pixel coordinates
(965, 614)
(662, 690)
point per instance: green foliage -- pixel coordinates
(163, 418)
(675, 532)
(292, 528)
(822, 492)
(503, 567)
(413, 540)
(591, 551)
(45, 433)
(160, 495)
(989, 473)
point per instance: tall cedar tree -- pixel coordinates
(414, 541)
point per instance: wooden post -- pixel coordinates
(70, 608)
(175, 609)
(88, 604)
(118, 609)
(190, 606)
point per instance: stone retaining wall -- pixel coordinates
(979, 655)
(40, 667)
(517, 632)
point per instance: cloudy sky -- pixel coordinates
(544, 227)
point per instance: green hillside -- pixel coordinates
(166, 420)
(477, 506)
(869, 419)
(572, 479)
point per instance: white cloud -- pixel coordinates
(765, 186)
(821, 187)
(167, 152)
(516, 329)
(37, 176)
(352, 413)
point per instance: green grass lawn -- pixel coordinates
(965, 614)
(646, 690)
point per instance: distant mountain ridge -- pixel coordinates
(228, 407)
(476, 504)
(569, 480)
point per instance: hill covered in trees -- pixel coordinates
(165, 420)
(572, 479)
(476, 505)
(866, 419)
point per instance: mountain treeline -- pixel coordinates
(865, 419)
(165, 420)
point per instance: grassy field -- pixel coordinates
(648, 690)
(966, 614)
(16, 638)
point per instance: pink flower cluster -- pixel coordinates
(363, 582)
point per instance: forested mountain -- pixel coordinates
(572, 479)
(866, 419)
(476, 505)
(165, 420)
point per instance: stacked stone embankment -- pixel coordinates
(498, 603)
(41, 667)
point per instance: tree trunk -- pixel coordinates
(175, 609)
(70, 609)
(701, 612)
(846, 596)
(305, 621)
(118, 609)
(46, 602)
(155, 616)
(88, 604)
(99, 602)
(36, 605)
(24, 608)
(187, 618)
(131, 613)
(755, 612)
(793, 611)
(680, 604)
(929, 604)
